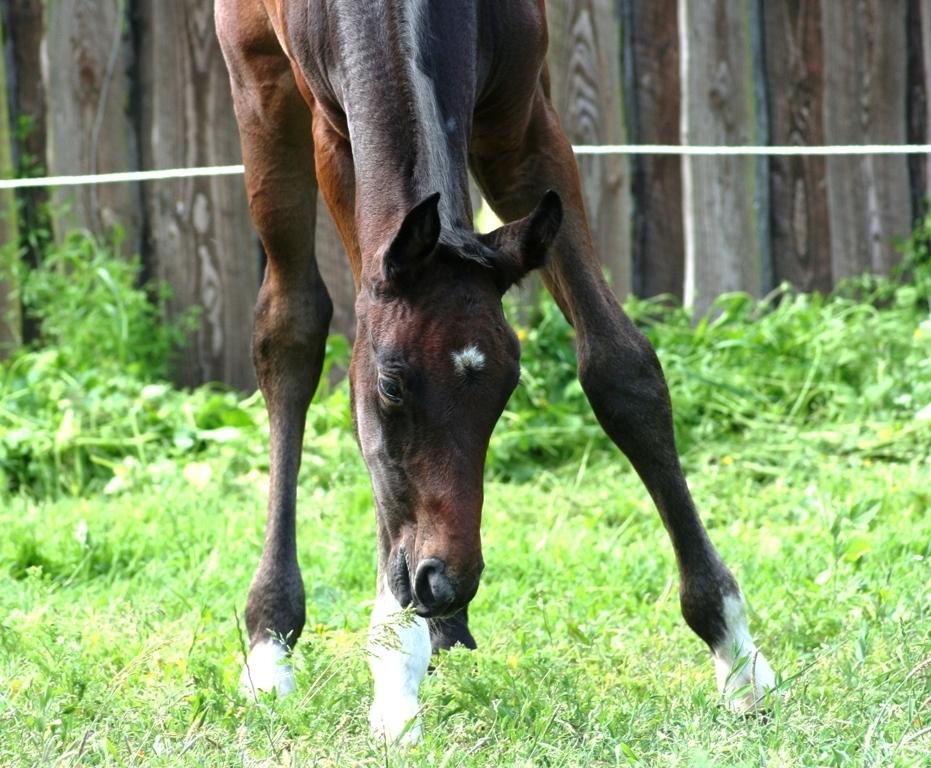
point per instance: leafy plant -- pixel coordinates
(846, 372)
(80, 401)
(91, 309)
(786, 379)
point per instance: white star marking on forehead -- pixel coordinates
(469, 359)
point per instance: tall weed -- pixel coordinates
(92, 311)
(89, 394)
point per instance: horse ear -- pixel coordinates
(415, 241)
(522, 245)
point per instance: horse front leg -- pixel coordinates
(399, 653)
(624, 383)
(400, 645)
(292, 316)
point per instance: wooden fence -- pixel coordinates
(112, 85)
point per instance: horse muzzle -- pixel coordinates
(434, 591)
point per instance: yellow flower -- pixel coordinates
(727, 461)
(513, 661)
(521, 335)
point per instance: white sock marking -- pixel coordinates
(743, 673)
(267, 669)
(399, 652)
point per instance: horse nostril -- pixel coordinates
(431, 586)
(399, 579)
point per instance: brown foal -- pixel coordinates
(385, 106)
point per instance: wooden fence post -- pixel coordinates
(926, 49)
(801, 236)
(868, 197)
(652, 87)
(90, 130)
(200, 237)
(26, 29)
(919, 99)
(585, 69)
(723, 251)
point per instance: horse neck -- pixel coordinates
(409, 112)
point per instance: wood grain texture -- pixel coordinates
(585, 67)
(761, 190)
(722, 248)
(925, 12)
(801, 244)
(918, 31)
(26, 28)
(334, 268)
(834, 73)
(86, 78)
(652, 38)
(199, 237)
(10, 320)
(869, 203)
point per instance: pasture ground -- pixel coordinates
(120, 644)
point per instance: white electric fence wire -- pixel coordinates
(746, 151)
(111, 178)
(584, 149)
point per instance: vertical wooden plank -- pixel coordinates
(200, 238)
(652, 42)
(10, 320)
(918, 30)
(761, 191)
(722, 251)
(334, 268)
(26, 28)
(868, 197)
(585, 68)
(926, 57)
(86, 79)
(801, 244)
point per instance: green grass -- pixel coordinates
(133, 517)
(119, 639)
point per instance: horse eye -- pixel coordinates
(390, 389)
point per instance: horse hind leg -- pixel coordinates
(291, 317)
(623, 380)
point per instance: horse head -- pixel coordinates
(433, 366)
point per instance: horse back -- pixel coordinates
(485, 57)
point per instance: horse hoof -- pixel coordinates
(267, 669)
(396, 722)
(746, 689)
